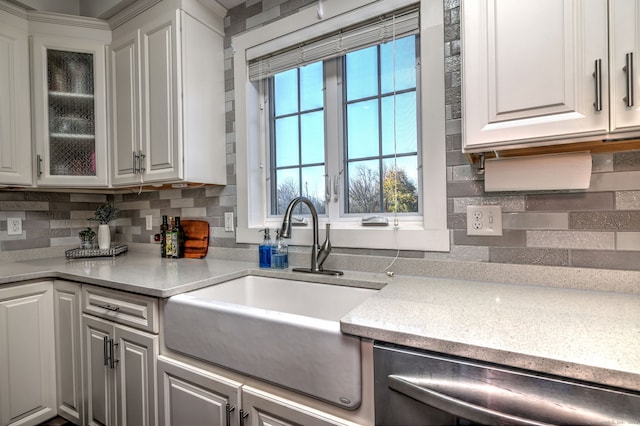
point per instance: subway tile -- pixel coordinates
(35, 224)
(170, 194)
(194, 212)
(178, 203)
(24, 205)
(143, 196)
(160, 204)
(64, 241)
(465, 189)
(509, 203)
(606, 259)
(509, 238)
(628, 241)
(134, 205)
(5, 215)
(615, 181)
(535, 220)
(453, 127)
(628, 160)
(47, 215)
(529, 256)
(628, 200)
(47, 196)
(613, 220)
(12, 196)
(570, 201)
(25, 244)
(602, 162)
(571, 239)
(465, 173)
(65, 224)
(88, 198)
(262, 18)
(50, 233)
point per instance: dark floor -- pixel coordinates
(56, 421)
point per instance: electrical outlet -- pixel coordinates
(14, 226)
(484, 220)
(228, 221)
(149, 222)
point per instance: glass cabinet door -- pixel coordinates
(71, 106)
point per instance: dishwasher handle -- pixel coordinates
(453, 405)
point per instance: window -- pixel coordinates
(332, 125)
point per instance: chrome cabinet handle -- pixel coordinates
(38, 165)
(112, 355)
(105, 345)
(229, 408)
(457, 407)
(141, 157)
(109, 307)
(135, 163)
(243, 415)
(628, 69)
(597, 75)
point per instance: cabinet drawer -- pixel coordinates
(124, 308)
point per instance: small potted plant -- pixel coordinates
(104, 214)
(86, 238)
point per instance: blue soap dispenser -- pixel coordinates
(264, 250)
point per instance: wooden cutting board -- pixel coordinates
(196, 242)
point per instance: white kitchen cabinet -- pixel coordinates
(15, 104)
(67, 310)
(119, 360)
(528, 72)
(27, 362)
(120, 374)
(624, 48)
(261, 408)
(167, 95)
(191, 396)
(69, 92)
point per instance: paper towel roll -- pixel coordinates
(543, 172)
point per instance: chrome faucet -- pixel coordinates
(318, 254)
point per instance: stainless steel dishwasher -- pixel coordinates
(414, 387)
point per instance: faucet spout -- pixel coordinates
(316, 251)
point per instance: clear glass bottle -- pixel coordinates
(280, 253)
(264, 250)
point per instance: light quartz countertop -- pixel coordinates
(571, 332)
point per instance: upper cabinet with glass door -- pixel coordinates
(70, 105)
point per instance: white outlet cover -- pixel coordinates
(14, 226)
(484, 220)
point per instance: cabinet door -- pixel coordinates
(68, 314)
(15, 109)
(528, 71)
(98, 375)
(135, 376)
(70, 112)
(260, 408)
(159, 56)
(624, 48)
(188, 396)
(27, 364)
(125, 99)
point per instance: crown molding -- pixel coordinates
(14, 10)
(68, 20)
(130, 12)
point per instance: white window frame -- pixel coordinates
(252, 167)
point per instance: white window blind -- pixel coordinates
(380, 30)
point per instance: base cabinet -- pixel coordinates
(120, 374)
(261, 408)
(191, 396)
(27, 363)
(67, 317)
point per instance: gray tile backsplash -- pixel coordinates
(595, 228)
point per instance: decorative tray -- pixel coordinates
(113, 251)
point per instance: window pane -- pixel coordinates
(400, 185)
(287, 187)
(286, 92)
(362, 129)
(405, 124)
(405, 61)
(362, 73)
(364, 187)
(311, 87)
(287, 141)
(312, 128)
(313, 185)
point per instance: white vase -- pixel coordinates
(104, 237)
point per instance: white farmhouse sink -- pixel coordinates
(283, 331)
